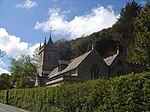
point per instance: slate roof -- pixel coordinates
(110, 59)
(76, 62)
(63, 62)
(72, 65)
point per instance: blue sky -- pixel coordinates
(25, 23)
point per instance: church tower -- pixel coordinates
(48, 59)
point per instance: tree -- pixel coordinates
(23, 71)
(141, 50)
(65, 49)
(4, 81)
(106, 47)
(125, 24)
(105, 42)
(80, 46)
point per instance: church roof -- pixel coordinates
(110, 59)
(76, 62)
(72, 65)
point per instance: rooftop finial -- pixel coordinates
(45, 41)
(50, 42)
(50, 32)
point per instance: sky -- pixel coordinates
(26, 23)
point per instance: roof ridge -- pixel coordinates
(73, 64)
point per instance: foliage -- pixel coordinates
(141, 51)
(120, 94)
(103, 42)
(65, 49)
(129, 93)
(80, 46)
(5, 81)
(125, 23)
(4, 96)
(106, 46)
(23, 71)
(121, 34)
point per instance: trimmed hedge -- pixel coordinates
(4, 96)
(120, 94)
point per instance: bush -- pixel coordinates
(4, 96)
(131, 93)
(120, 94)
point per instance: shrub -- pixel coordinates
(131, 93)
(120, 94)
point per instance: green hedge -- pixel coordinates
(121, 94)
(4, 96)
(131, 93)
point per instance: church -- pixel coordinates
(89, 66)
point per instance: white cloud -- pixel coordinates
(98, 19)
(2, 63)
(27, 4)
(32, 48)
(3, 71)
(13, 46)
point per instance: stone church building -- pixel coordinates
(52, 71)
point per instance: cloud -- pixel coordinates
(13, 46)
(27, 4)
(2, 63)
(96, 20)
(3, 71)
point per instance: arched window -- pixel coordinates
(94, 71)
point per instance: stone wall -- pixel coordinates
(93, 58)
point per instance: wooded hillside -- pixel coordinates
(130, 34)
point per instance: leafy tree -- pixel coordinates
(80, 46)
(125, 24)
(121, 34)
(35, 55)
(4, 81)
(65, 49)
(84, 44)
(23, 71)
(106, 47)
(104, 42)
(141, 50)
